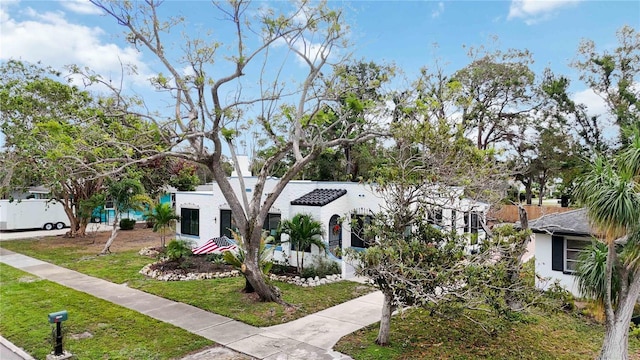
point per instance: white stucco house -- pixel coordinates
(559, 238)
(205, 213)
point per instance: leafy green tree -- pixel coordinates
(554, 150)
(304, 232)
(431, 166)
(163, 218)
(614, 75)
(287, 114)
(496, 94)
(65, 139)
(611, 193)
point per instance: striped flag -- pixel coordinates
(216, 245)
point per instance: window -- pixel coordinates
(108, 204)
(435, 217)
(572, 250)
(358, 236)
(190, 221)
(565, 252)
(271, 223)
(471, 222)
(227, 224)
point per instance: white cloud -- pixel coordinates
(534, 11)
(83, 7)
(596, 106)
(52, 40)
(436, 13)
(594, 103)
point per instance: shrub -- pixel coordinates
(178, 250)
(127, 224)
(216, 259)
(557, 293)
(321, 267)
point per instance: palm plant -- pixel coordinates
(126, 194)
(611, 193)
(303, 232)
(163, 218)
(590, 274)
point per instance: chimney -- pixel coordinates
(243, 164)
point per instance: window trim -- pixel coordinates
(187, 223)
(565, 257)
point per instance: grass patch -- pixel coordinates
(118, 333)
(543, 336)
(221, 296)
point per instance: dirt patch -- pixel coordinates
(192, 264)
(93, 243)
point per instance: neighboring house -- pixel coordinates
(33, 192)
(342, 207)
(106, 214)
(559, 238)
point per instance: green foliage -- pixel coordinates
(163, 217)
(216, 258)
(127, 224)
(178, 250)
(64, 138)
(265, 254)
(564, 298)
(554, 335)
(591, 273)
(321, 267)
(304, 232)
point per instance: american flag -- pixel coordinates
(216, 245)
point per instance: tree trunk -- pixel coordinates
(543, 183)
(114, 233)
(528, 192)
(615, 345)
(616, 337)
(385, 321)
(253, 274)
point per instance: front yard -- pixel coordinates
(221, 296)
(96, 329)
(543, 335)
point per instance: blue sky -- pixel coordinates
(57, 33)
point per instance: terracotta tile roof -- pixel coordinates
(319, 197)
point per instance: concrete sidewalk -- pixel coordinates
(311, 337)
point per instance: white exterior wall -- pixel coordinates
(359, 198)
(543, 265)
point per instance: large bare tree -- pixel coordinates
(270, 73)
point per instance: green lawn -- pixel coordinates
(420, 336)
(221, 296)
(117, 333)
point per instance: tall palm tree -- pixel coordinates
(303, 232)
(611, 193)
(163, 218)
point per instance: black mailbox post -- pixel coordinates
(57, 318)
